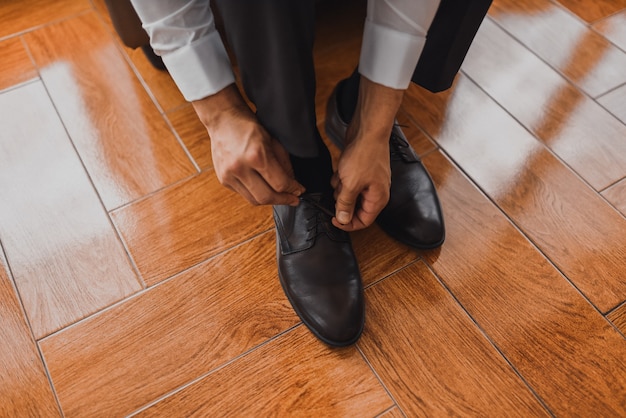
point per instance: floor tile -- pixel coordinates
(561, 345)
(573, 226)
(169, 335)
(591, 10)
(183, 225)
(159, 82)
(410, 318)
(66, 258)
(616, 194)
(379, 255)
(193, 134)
(614, 29)
(618, 318)
(25, 387)
(125, 143)
(567, 44)
(615, 102)
(17, 66)
(294, 375)
(20, 15)
(393, 413)
(577, 129)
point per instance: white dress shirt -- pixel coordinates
(183, 32)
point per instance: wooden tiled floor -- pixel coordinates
(132, 283)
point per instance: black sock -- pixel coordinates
(314, 173)
(347, 94)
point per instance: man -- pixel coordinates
(275, 155)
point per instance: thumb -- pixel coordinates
(345, 204)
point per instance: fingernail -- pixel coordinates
(343, 217)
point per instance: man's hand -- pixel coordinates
(363, 176)
(246, 159)
(361, 184)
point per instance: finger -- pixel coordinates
(240, 189)
(334, 181)
(345, 204)
(360, 220)
(278, 172)
(371, 203)
(264, 194)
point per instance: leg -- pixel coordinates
(272, 41)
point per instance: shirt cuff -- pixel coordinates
(201, 68)
(389, 57)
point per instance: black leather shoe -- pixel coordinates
(318, 270)
(413, 215)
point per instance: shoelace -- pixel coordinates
(398, 145)
(322, 216)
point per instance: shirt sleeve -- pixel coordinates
(393, 39)
(183, 33)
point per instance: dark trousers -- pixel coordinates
(272, 41)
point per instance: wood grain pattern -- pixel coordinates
(183, 225)
(66, 258)
(431, 357)
(577, 129)
(393, 413)
(615, 102)
(591, 10)
(379, 255)
(614, 29)
(616, 194)
(576, 229)
(19, 15)
(618, 318)
(125, 143)
(527, 151)
(24, 386)
(116, 362)
(294, 375)
(566, 351)
(579, 53)
(193, 134)
(16, 67)
(159, 83)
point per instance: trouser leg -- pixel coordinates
(272, 41)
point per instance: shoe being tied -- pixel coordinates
(318, 270)
(413, 215)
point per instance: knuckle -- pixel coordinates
(344, 202)
(264, 199)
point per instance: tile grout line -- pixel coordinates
(45, 25)
(365, 358)
(129, 259)
(488, 338)
(148, 91)
(11, 277)
(151, 287)
(202, 376)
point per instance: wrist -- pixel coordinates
(214, 109)
(376, 110)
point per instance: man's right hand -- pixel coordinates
(245, 158)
